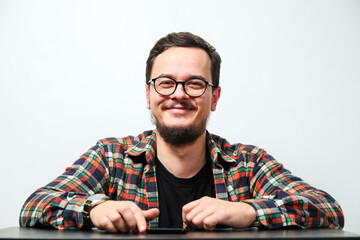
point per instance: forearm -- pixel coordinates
(59, 203)
(53, 208)
(282, 199)
(309, 209)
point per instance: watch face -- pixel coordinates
(91, 202)
(97, 197)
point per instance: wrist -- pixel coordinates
(90, 203)
(251, 215)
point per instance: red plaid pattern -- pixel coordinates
(124, 169)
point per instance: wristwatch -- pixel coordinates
(90, 203)
(256, 224)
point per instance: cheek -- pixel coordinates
(150, 98)
(153, 103)
(205, 106)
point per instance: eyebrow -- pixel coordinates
(189, 77)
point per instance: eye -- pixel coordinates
(195, 83)
(165, 82)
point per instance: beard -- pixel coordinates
(180, 135)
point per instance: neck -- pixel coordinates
(183, 161)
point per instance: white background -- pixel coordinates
(72, 72)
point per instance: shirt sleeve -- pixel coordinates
(282, 199)
(59, 204)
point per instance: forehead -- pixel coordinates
(181, 62)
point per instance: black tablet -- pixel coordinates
(166, 230)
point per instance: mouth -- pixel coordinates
(179, 111)
(179, 107)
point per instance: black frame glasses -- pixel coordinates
(185, 85)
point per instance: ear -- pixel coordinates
(215, 98)
(147, 87)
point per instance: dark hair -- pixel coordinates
(185, 39)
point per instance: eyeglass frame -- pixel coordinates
(183, 84)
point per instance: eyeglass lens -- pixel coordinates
(192, 87)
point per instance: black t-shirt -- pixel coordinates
(175, 192)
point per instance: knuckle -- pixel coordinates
(185, 209)
(116, 219)
(188, 218)
(208, 224)
(104, 223)
(136, 210)
(206, 199)
(197, 222)
(122, 205)
(131, 204)
(127, 206)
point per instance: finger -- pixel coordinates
(189, 206)
(139, 220)
(121, 226)
(150, 214)
(211, 221)
(198, 219)
(189, 217)
(105, 224)
(142, 216)
(204, 201)
(118, 221)
(129, 221)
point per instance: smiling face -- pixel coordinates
(180, 111)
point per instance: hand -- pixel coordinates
(206, 213)
(123, 216)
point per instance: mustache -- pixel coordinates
(183, 104)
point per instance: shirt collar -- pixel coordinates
(147, 145)
(218, 148)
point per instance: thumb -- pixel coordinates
(150, 214)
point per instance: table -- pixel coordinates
(253, 233)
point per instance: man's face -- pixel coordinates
(180, 110)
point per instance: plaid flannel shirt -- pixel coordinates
(124, 169)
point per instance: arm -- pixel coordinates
(282, 200)
(276, 199)
(59, 203)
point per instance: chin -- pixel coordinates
(180, 134)
(178, 122)
(177, 126)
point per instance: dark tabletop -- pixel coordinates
(252, 233)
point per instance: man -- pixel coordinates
(179, 175)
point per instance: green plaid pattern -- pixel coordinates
(124, 169)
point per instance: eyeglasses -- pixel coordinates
(194, 87)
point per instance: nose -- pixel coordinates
(179, 92)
